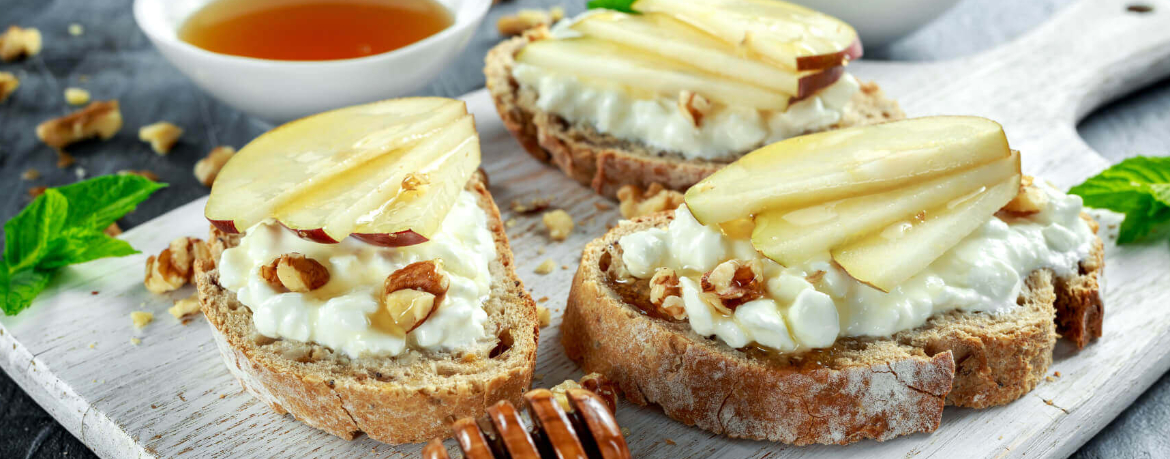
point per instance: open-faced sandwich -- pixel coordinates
(842, 285)
(360, 276)
(673, 90)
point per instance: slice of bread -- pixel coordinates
(409, 398)
(605, 162)
(859, 388)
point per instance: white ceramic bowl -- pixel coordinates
(278, 91)
(883, 21)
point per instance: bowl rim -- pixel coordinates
(467, 13)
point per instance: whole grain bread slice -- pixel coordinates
(861, 388)
(603, 161)
(409, 398)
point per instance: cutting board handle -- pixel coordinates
(1089, 53)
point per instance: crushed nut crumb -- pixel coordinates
(510, 223)
(534, 205)
(76, 29)
(76, 96)
(100, 119)
(19, 42)
(161, 136)
(542, 299)
(636, 202)
(141, 173)
(185, 306)
(559, 224)
(64, 159)
(30, 174)
(601, 206)
(141, 318)
(543, 315)
(36, 191)
(546, 267)
(207, 169)
(693, 107)
(525, 19)
(112, 231)
(135, 341)
(8, 84)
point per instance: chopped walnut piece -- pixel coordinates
(559, 224)
(99, 119)
(113, 230)
(30, 174)
(735, 282)
(636, 202)
(295, 273)
(64, 159)
(141, 173)
(207, 169)
(533, 205)
(545, 267)
(543, 316)
(693, 107)
(1031, 199)
(161, 136)
(8, 84)
(141, 318)
(663, 284)
(173, 267)
(523, 20)
(412, 293)
(185, 306)
(76, 96)
(36, 191)
(19, 42)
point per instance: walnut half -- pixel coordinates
(411, 294)
(296, 273)
(735, 282)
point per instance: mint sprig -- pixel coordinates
(625, 6)
(65, 226)
(1139, 187)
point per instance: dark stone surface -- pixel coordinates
(113, 60)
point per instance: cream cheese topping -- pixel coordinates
(337, 315)
(725, 133)
(985, 272)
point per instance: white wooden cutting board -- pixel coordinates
(170, 396)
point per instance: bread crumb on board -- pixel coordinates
(559, 224)
(546, 267)
(161, 136)
(100, 119)
(76, 96)
(525, 19)
(141, 318)
(8, 84)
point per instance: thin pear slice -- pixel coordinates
(832, 165)
(597, 59)
(334, 207)
(788, 35)
(296, 158)
(667, 37)
(791, 237)
(889, 257)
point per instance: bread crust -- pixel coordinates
(869, 388)
(604, 162)
(395, 411)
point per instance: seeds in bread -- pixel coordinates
(409, 398)
(603, 161)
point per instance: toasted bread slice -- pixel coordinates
(860, 388)
(409, 398)
(605, 162)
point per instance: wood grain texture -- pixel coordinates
(172, 397)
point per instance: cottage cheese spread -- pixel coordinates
(337, 314)
(725, 133)
(984, 272)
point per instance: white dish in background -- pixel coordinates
(881, 22)
(279, 91)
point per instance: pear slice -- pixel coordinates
(844, 163)
(670, 38)
(601, 60)
(889, 257)
(788, 35)
(355, 197)
(301, 156)
(791, 237)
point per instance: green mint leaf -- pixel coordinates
(625, 6)
(98, 202)
(18, 290)
(1139, 187)
(79, 245)
(28, 235)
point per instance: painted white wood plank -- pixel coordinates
(171, 396)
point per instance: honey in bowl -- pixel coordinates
(312, 30)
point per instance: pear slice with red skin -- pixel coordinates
(845, 163)
(889, 257)
(667, 37)
(792, 236)
(784, 34)
(296, 158)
